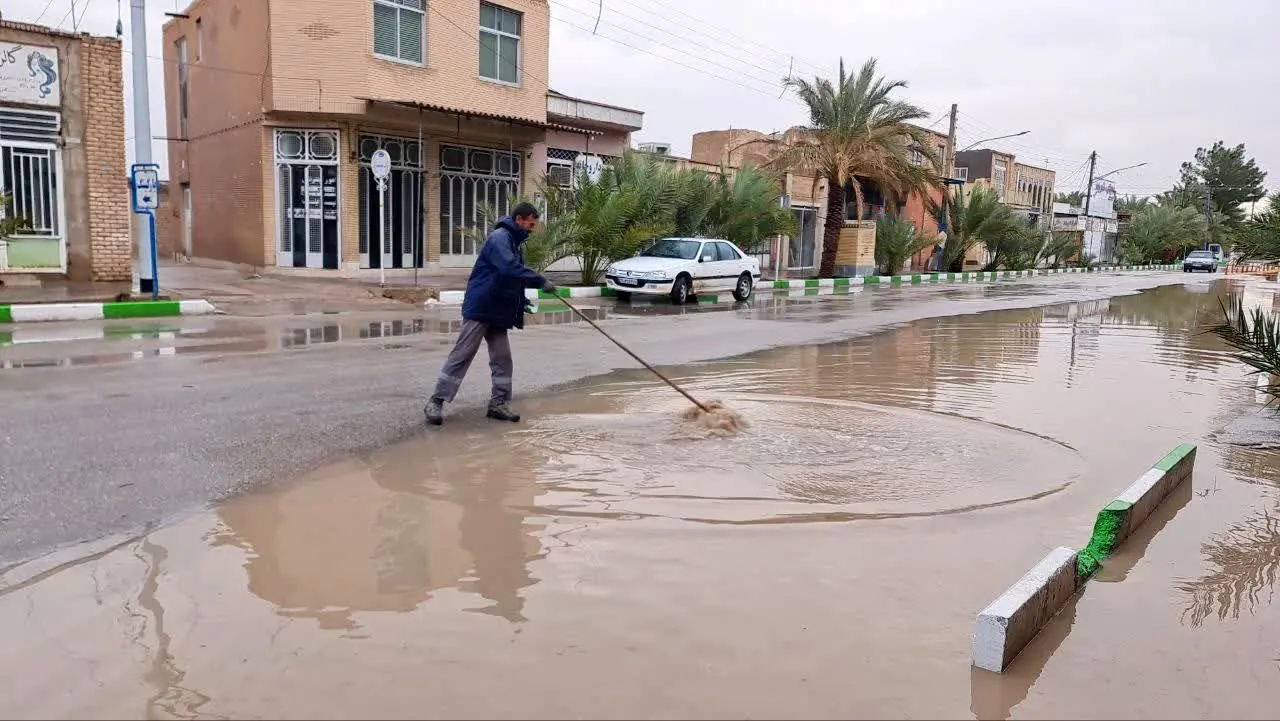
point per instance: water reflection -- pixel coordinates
(1246, 558)
(383, 535)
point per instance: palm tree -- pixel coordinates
(857, 132)
(896, 241)
(1060, 248)
(980, 218)
(1016, 248)
(1159, 230)
(746, 210)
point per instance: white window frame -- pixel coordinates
(401, 7)
(962, 173)
(60, 217)
(314, 259)
(452, 178)
(498, 49)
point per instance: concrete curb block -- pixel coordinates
(1009, 623)
(454, 297)
(1119, 518)
(51, 312)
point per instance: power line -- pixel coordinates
(665, 45)
(40, 17)
(677, 62)
(694, 41)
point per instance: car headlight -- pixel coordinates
(655, 275)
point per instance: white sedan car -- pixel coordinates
(684, 267)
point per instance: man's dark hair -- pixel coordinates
(525, 210)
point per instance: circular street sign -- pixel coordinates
(381, 164)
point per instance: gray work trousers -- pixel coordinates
(464, 351)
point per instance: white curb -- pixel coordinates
(1007, 625)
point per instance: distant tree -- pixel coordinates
(1016, 247)
(1130, 203)
(1061, 248)
(981, 218)
(1159, 231)
(1075, 197)
(1260, 235)
(1231, 178)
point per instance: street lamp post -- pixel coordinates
(998, 137)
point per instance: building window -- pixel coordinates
(917, 157)
(962, 173)
(1001, 177)
(499, 44)
(474, 182)
(307, 191)
(180, 49)
(31, 177)
(398, 29)
(199, 40)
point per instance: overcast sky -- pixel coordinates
(1136, 80)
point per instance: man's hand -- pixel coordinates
(548, 287)
(528, 307)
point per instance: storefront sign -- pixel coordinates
(29, 74)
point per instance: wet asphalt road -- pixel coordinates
(147, 424)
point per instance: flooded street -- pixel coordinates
(606, 559)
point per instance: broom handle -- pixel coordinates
(628, 351)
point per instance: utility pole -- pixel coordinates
(141, 130)
(1208, 217)
(950, 161)
(1088, 191)
(1088, 196)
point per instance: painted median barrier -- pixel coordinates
(1009, 622)
(48, 312)
(824, 286)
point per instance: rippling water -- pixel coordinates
(607, 559)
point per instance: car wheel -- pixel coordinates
(681, 290)
(622, 295)
(742, 290)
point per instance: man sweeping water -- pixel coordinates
(494, 303)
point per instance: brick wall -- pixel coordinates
(221, 155)
(111, 253)
(325, 61)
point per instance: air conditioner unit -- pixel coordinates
(560, 176)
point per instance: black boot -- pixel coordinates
(435, 412)
(502, 412)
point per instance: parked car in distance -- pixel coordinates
(684, 267)
(1199, 260)
(1216, 249)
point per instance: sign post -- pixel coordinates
(144, 186)
(381, 165)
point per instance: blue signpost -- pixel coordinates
(144, 186)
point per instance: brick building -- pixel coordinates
(807, 197)
(275, 111)
(62, 157)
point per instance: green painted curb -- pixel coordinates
(871, 279)
(1106, 530)
(6, 316)
(607, 292)
(1172, 459)
(781, 285)
(811, 283)
(916, 279)
(895, 280)
(6, 338)
(141, 309)
(841, 282)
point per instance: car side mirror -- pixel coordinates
(707, 259)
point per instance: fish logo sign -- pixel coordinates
(39, 64)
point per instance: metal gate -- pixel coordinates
(474, 183)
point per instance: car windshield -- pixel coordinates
(1200, 254)
(683, 249)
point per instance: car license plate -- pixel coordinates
(628, 281)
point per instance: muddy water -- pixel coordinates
(605, 559)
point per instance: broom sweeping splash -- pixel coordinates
(712, 415)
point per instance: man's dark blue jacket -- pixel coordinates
(495, 290)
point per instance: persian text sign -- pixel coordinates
(29, 74)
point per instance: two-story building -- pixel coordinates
(1026, 189)
(806, 194)
(62, 156)
(275, 112)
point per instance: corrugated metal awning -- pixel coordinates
(480, 114)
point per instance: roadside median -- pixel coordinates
(1014, 618)
(826, 286)
(50, 312)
